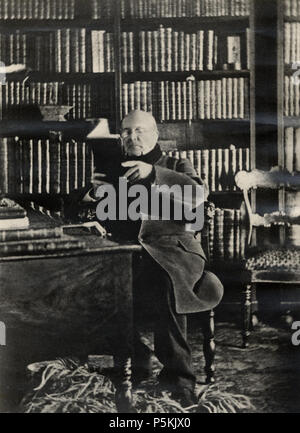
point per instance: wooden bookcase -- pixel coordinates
(288, 66)
(82, 73)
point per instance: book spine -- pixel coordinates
(155, 50)
(3, 165)
(219, 167)
(27, 166)
(40, 246)
(73, 165)
(36, 166)
(219, 234)
(178, 100)
(31, 234)
(212, 170)
(237, 234)
(54, 152)
(125, 99)
(64, 167)
(297, 148)
(80, 164)
(186, 52)
(124, 52)
(289, 149)
(82, 50)
(229, 233)
(46, 166)
(168, 49)
(130, 52)
(162, 49)
(149, 51)
(205, 166)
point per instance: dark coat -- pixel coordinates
(173, 247)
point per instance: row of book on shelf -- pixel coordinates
(84, 99)
(44, 165)
(226, 98)
(182, 8)
(167, 49)
(226, 236)
(37, 9)
(291, 96)
(59, 166)
(78, 50)
(292, 8)
(217, 167)
(66, 9)
(63, 50)
(16, 236)
(292, 149)
(291, 43)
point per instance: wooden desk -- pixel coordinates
(72, 303)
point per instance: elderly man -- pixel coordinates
(170, 281)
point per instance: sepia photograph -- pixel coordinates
(150, 208)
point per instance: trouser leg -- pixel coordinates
(171, 345)
(154, 296)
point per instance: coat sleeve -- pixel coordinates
(184, 175)
(185, 166)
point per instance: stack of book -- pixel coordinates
(12, 215)
(37, 241)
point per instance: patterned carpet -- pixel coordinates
(268, 372)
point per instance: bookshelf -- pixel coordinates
(289, 104)
(190, 62)
(193, 67)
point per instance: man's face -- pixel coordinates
(139, 134)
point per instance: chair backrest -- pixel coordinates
(273, 179)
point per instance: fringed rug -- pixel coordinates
(65, 386)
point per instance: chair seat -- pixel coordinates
(280, 259)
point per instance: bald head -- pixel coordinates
(139, 133)
(139, 116)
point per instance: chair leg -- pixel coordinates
(209, 347)
(246, 315)
(254, 308)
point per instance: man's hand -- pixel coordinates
(137, 170)
(97, 180)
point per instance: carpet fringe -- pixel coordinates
(68, 387)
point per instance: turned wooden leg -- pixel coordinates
(123, 395)
(254, 308)
(246, 315)
(208, 329)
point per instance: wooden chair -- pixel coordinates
(278, 264)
